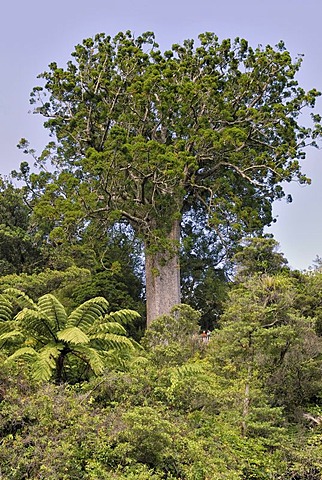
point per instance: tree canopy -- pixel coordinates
(207, 129)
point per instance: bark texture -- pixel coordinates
(163, 279)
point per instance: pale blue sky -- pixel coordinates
(35, 33)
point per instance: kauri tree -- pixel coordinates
(147, 137)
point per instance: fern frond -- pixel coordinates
(27, 352)
(188, 370)
(6, 309)
(42, 363)
(107, 327)
(7, 326)
(90, 356)
(73, 335)
(125, 316)
(137, 345)
(114, 342)
(35, 321)
(45, 362)
(53, 310)
(124, 359)
(114, 360)
(139, 361)
(20, 297)
(86, 314)
(12, 336)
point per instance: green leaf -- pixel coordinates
(36, 322)
(107, 327)
(27, 352)
(12, 336)
(115, 342)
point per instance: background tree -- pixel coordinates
(147, 137)
(20, 244)
(205, 268)
(267, 343)
(59, 282)
(309, 298)
(173, 338)
(259, 255)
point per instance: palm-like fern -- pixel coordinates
(53, 342)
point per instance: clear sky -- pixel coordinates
(35, 33)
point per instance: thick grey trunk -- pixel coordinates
(162, 272)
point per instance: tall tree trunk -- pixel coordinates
(162, 272)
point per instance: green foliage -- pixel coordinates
(20, 245)
(194, 387)
(173, 338)
(160, 421)
(204, 282)
(56, 343)
(308, 298)
(6, 309)
(47, 281)
(259, 255)
(266, 342)
(49, 434)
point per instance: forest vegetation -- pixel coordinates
(140, 225)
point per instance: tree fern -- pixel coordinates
(52, 342)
